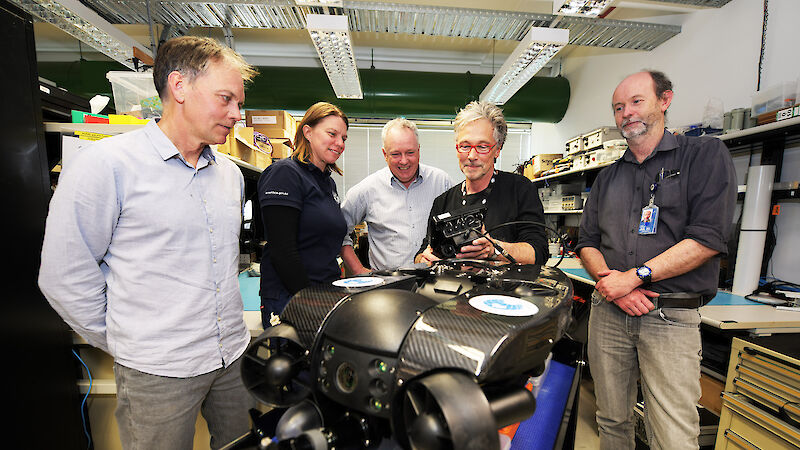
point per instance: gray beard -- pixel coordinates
(635, 133)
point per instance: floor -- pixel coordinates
(586, 429)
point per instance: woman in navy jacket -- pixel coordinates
(303, 224)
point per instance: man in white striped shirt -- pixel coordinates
(394, 202)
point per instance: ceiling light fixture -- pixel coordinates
(331, 3)
(586, 8)
(331, 38)
(87, 26)
(532, 53)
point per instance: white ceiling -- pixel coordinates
(395, 51)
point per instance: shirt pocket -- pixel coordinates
(669, 196)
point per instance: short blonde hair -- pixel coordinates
(477, 110)
(190, 55)
(317, 112)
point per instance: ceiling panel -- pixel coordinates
(379, 17)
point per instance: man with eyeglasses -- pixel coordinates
(480, 133)
(394, 201)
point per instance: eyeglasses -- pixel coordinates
(480, 148)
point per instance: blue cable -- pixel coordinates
(83, 402)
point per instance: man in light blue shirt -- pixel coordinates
(141, 249)
(394, 202)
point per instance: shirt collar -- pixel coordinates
(668, 142)
(167, 149)
(311, 167)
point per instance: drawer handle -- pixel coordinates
(741, 405)
(753, 351)
(790, 412)
(788, 391)
(765, 397)
(740, 441)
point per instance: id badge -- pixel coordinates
(649, 220)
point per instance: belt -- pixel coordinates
(686, 300)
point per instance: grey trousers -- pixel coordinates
(155, 412)
(662, 349)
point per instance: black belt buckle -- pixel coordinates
(684, 300)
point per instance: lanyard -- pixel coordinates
(486, 192)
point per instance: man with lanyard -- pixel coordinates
(651, 234)
(394, 201)
(480, 134)
(141, 252)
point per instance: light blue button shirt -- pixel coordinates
(396, 216)
(141, 254)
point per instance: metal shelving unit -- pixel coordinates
(571, 211)
(570, 172)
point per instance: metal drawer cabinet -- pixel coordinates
(761, 402)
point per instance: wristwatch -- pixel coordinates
(644, 273)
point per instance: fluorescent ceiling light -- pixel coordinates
(331, 38)
(87, 26)
(331, 3)
(535, 50)
(588, 8)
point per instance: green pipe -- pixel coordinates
(387, 93)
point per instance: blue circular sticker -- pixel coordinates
(503, 305)
(357, 282)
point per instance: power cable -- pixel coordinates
(763, 43)
(523, 222)
(83, 402)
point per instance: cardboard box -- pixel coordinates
(527, 170)
(281, 148)
(240, 144)
(272, 123)
(261, 159)
(544, 162)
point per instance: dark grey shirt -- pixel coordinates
(697, 204)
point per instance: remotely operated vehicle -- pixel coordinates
(420, 358)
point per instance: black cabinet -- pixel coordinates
(43, 403)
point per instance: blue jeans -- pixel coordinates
(155, 412)
(663, 348)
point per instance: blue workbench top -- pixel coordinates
(721, 299)
(248, 286)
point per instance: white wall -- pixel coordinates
(715, 55)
